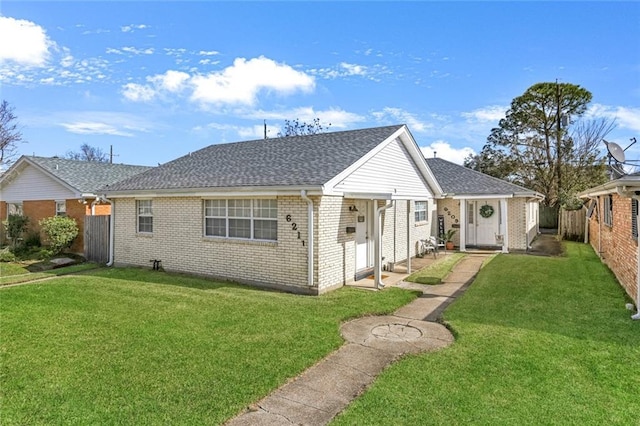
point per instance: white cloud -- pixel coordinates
(136, 51)
(29, 45)
(353, 69)
(171, 81)
(445, 150)
(138, 93)
(208, 53)
(492, 113)
(398, 115)
(332, 118)
(625, 117)
(94, 128)
(241, 82)
(131, 28)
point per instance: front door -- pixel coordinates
(487, 222)
(363, 235)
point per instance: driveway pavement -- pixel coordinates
(324, 390)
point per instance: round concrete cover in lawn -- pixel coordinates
(396, 335)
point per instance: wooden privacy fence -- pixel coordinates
(96, 238)
(571, 224)
(549, 217)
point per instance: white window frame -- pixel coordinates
(418, 212)
(607, 211)
(146, 213)
(255, 214)
(15, 208)
(61, 208)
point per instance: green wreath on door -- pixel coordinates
(486, 211)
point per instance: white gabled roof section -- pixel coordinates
(396, 166)
(27, 181)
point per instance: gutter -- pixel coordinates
(378, 244)
(303, 195)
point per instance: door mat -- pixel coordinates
(370, 277)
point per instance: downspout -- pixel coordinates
(303, 195)
(378, 244)
(93, 206)
(112, 229)
(408, 236)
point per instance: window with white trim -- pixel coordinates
(607, 211)
(421, 211)
(15, 209)
(241, 218)
(145, 216)
(61, 208)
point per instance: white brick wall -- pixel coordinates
(177, 240)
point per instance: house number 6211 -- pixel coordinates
(294, 227)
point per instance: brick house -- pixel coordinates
(486, 212)
(41, 187)
(612, 229)
(304, 213)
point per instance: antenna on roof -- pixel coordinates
(111, 154)
(615, 152)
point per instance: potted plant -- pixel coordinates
(447, 237)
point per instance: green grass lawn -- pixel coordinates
(437, 271)
(538, 341)
(131, 346)
(14, 273)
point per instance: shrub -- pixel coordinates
(33, 240)
(60, 232)
(6, 255)
(15, 226)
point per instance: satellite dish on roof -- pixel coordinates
(615, 151)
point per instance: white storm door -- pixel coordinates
(487, 227)
(363, 235)
(471, 223)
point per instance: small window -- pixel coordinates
(607, 211)
(61, 208)
(634, 219)
(421, 211)
(145, 216)
(14, 209)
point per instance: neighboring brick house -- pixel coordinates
(41, 187)
(612, 229)
(303, 213)
(486, 211)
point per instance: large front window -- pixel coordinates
(145, 216)
(241, 218)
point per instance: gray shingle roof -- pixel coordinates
(87, 176)
(287, 161)
(456, 179)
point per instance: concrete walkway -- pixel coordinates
(324, 390)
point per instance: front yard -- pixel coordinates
(127, 346)
(538, 341)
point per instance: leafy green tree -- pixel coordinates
(295, 128)
(60, 232)
(534, 147)
(15, 226)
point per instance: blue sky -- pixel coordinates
(157, 80)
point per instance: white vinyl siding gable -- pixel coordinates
(32, 184)
(392, 170)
